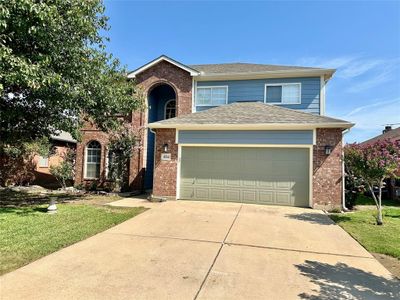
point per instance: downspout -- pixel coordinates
(344, 175)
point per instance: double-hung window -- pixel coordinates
(93, 158)
(285, 93)
(212, 96)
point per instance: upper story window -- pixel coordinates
(212, 95)
(283, 93)
(170, 109)
(93, 158)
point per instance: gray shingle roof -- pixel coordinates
(249, 113)
(245, 68)
(393, 135)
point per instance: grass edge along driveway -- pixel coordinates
(29, 233)
(361, 225)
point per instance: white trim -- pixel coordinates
(322, 96)
(261, 126)
(314, 136)
(326, 73)
(178, 173)
(176, 136)
(191, 71)
(211, 87)
(165, 108)
(249, 145)
(310, 147)
(311, 177)
(194, 86)
(282, 85)
(85, 177)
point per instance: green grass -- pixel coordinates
(362, 226)
(28, 233)
(365, 200)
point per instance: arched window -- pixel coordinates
(170, 109)
(93, 158)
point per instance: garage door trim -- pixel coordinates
(309, 147)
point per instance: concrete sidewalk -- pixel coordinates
(205, 250)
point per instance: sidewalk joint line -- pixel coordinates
(164, 237)
(216, 256)
(295, 250)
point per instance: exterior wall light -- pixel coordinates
(165, 148)
(328, 149)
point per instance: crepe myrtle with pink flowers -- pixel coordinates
(374, 163)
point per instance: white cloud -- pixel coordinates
(371, 118)
(364, 73)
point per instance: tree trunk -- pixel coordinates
(379, 219)
(378, 202)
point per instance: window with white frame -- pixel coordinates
(212, 96)
(285, 93)
(92, 161)
(43, 162)
(170, 109)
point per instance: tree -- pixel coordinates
(374, 163)
(16, 163)
(65, 170)
(121, 147)
(55, 72)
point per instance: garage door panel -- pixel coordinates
(252, 175)
(249, 196)
(232, 195)
(217, 194)
(284, 198)
(266, 197)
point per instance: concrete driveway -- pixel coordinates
(204, 250)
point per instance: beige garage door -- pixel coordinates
(277, 176)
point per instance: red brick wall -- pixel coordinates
(327, 177)
(180, 80)
(165, 172)
(87, 136)
(163, 72)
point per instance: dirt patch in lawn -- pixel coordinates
(390, 263)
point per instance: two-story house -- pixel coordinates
(237, 132)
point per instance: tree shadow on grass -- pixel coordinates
(314, 218)
(10, 199)
(341, 281)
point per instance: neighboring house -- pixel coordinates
(230, 132)
(392, 134)
(388, 133)
(60, 143)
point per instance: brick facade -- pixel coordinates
(165, 172)
(161, 73)
(327, 177)
(178, 79)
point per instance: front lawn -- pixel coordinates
(362, 226)
(28, 233)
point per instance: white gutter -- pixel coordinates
(261, 126)
(344, 175)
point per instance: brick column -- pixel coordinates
(165, 172)
(327, 176)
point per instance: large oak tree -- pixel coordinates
(55, 71)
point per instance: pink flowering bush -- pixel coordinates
(374, 163)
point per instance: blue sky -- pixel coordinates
(359, 38)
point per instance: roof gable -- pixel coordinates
(192, 72)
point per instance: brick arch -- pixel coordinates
(167, 73)
(157, 84)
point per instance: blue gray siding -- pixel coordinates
(269, 137)
(253, 90)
